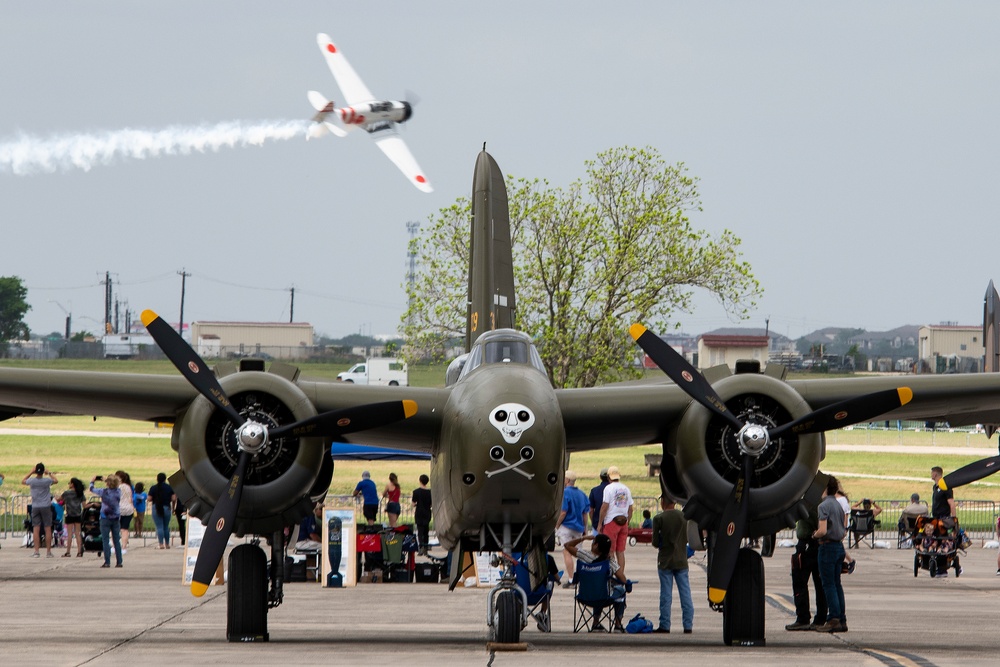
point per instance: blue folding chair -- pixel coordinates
(596, 600)
(539, 599)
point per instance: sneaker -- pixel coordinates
(998, 571)
(618, 628)
(841, 628)
(688, 631)
(118, 564)
(567, 584)
(832, 625)
(799, 626)
(49, 555)
(850, 568)
(105, 565)
(36, 555)
(665, 631)
(598, 628)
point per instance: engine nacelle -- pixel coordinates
(280, 479)
(702, 459)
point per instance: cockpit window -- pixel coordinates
(506, 352)
(506, 349)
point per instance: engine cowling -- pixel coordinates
(281, 481)
(702, 458)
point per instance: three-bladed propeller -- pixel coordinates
(753, 439)
(252, 437)
(970, 473)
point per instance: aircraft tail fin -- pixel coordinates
(324, 108)
(991, 338)
(491, 303)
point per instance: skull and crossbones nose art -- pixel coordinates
(512, 420)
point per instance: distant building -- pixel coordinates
(716, 349)
(234, 340)
(951, 348)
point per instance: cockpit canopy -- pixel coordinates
(501, 346)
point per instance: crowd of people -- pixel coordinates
(115, 502)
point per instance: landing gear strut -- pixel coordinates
(507, 604)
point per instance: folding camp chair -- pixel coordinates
(908, 526)
(539, 599)
(595, 599)
(862, 527)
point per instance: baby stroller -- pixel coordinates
(58, 533)
(936, 544)
(90, 528)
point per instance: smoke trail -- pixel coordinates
(29, 155)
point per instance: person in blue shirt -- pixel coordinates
(647, 519)
(572, 521)
(369, 497)
(111, 525)
(139, 497)
(597, 499)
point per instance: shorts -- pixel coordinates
(566, 534)
(126, 520)
(370, 512)
(41, 516)
(618, 535)
(392, 508)
(72, 519)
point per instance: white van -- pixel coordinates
(378, 370)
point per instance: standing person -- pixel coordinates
(41, 506)
(422, 514)
(830, 534)
(162, 497)
(180, 513)
(139, 496)
(73, 498)
(942, 500)
(805, 566)
(572, 521)
(111, 520)
(616, 513)
(369, 497)
(391, 494)
(597, 499)
(126, 507)
(849, 563)
(670, 538)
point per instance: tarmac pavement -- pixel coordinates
(69, 611)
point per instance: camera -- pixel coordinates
(100, 478)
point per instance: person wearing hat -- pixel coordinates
(369, 497)
(597, 499)
(572, 521)
(616, 514)
(41, 505)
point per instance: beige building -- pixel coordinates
(232, 340)
(716, 349)
(947, 347)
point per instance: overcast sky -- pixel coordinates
(853, 146)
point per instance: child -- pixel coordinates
(139, 496)
(647, 519)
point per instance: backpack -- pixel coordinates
(639, 625)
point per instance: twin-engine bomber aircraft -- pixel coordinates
(741, 451)
(378, 118)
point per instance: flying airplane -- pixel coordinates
(378, 118)
(742, 451)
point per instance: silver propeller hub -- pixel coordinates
(753, 439)
(251, 437)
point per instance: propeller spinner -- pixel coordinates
(753, 440)
(252, 437)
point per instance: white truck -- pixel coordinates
(378, 370)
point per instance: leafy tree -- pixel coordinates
(13, 307)
(589, 260)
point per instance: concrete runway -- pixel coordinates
(68, 611)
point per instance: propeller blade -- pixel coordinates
(348, 420)
(189, 364)
(682, 373)
(219, 528)
(852, 411)
(732, 528)
(970, 473)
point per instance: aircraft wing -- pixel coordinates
(348, 81)
(163, 397)
(395, 149)
(626, 415)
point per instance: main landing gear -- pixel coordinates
(507, 603)
(248, 596)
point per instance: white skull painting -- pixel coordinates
(512, 419)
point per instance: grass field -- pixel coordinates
(144, 456)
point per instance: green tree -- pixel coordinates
(13, 307)
(589, 260)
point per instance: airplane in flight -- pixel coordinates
(741, 450)
(378, 118)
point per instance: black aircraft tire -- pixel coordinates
(246, 595)
(507, 618)
(743, 608)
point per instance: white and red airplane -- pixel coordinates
(377, 117)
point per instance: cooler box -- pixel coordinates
(427, 573)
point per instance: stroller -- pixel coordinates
(90, 528)
(58, 531)
(936, 544)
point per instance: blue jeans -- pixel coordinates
(111, 528)
(162, 523)
(831, 560)
(667, 579)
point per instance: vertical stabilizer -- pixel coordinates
(991, 337)
(491, 265)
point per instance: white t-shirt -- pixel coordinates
(619, 499)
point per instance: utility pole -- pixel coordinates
(291, 308)
(180, 325)
(411, 274)
(107, 302)
(69, 316)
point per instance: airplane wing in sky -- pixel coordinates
(395, 149)
(354, 90)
